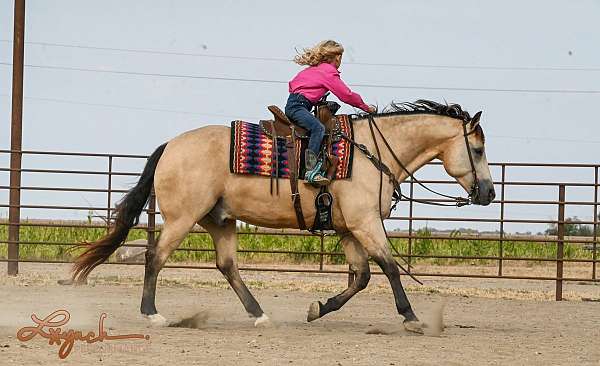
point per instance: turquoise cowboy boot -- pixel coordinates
(313, 169)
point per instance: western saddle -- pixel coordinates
(282, 127)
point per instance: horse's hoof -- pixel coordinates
(157, 320)
(414, 326)
(262, 322)
(314, 311)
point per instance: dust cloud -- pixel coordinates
(196, 321)
(433, 320)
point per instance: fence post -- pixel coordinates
(560, 242)
(410, 225)
(501, 242)
(109, 193)
(16, 139)
(151, 220)
(321, 255)
(595, 242)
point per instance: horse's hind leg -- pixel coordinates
(358, 258)
(174, 231)
(225, 240)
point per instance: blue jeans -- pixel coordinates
(298, 110)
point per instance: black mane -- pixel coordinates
(423, 106)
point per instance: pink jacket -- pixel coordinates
(314, 81)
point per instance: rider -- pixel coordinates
(307, 87)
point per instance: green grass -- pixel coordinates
(419, 246)
(194, 241)
(484, 248)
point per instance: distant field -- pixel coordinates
(422, 246)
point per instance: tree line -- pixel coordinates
(574, 227)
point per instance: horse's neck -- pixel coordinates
(415, 139)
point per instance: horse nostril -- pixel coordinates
(492, 194)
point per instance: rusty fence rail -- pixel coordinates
(109, 174)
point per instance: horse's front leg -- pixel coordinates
(358, 259)
(372, 236)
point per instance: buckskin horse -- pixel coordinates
(193, 185)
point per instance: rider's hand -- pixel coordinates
(372, 109)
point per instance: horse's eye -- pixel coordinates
(478, 151)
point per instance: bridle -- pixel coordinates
(397, 195)
(474, 192)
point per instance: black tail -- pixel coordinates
(127, 215)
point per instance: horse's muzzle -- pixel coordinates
(485, 194)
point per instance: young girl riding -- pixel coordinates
(308, 87)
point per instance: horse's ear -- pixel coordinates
(475, 120)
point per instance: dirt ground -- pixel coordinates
(487, 322)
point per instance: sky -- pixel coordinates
(535, 68)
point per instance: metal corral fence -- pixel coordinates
(557, 206)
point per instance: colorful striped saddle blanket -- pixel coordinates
(252, 149)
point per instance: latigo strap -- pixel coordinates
(291, 146)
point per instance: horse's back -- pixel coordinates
(194, 165)
(200, 136)
(198, 142)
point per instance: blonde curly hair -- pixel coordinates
(324, 51)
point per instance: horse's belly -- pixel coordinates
(249, 199)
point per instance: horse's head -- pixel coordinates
(464, 159)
